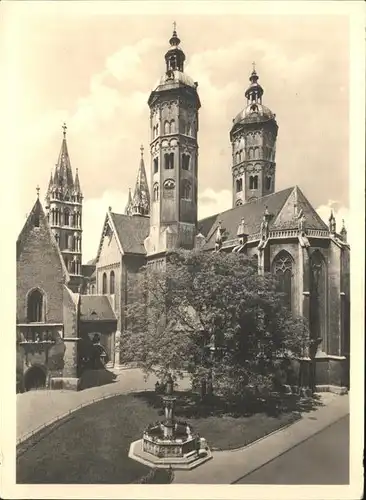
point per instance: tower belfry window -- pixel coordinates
(185, 161)
(169, 161)
(35, 306)
(239, 185)
(253, 182)
(156, 165)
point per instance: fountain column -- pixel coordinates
(169, 403)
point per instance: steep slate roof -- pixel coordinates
(96, 308)
(87, 270)
(281, 206)
(131, 232)
(37, 210)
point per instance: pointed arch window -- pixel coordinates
(318, 289)
(268, 182)
(282, 267)
(253, 182)
(237, 157)
(239, 185)
(35, 305)
(256, 153)
(104, 284)
(185, 161)
(172, 126)
(156, 165)
(166, 127)
(112, 283)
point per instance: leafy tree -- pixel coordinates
(213, 315)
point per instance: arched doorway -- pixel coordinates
(34, 378)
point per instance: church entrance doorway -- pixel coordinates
(34, 378)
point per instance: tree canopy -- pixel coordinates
(211, 313)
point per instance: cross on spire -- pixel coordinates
(253, 64)
(37, 189)
(174, 26)
(142, 150)
(64, 127)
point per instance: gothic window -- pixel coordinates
(282, 268)
(172, 127)
(70, 242)
(66, 217)
(156, 192)
(166, 128)
(169, 186)
(35, 306)
(239, 185)
(169, 161)
(156, 165)
(251, 153)
(92, 290)
(318, 297)
(111, 283)
(256, 153)
(185, 161)
(186, 189)
(268, 182)
(253, 182)
(104, 284)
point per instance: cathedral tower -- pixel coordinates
(139, 204)
(174, 106)
(64, 212)
(253, 138)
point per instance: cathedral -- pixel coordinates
(280, 228)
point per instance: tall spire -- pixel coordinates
(63, 165)
(128, 209)
(254, 92)
(332, 222)
(175, 56)
(77, 187)
(141, 197)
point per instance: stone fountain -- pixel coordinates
(170, 443)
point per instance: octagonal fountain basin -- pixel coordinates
(182, 449)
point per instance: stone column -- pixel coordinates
(306, 364)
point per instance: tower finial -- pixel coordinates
(253, 64)
(64, 127)
(37, 189)
(174, 26)
(142, 150)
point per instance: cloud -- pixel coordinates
(211, 202)
(94, 212)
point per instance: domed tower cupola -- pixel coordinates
(253, 137)
(175, 56)
(254, 92)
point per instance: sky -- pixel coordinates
(95, 71)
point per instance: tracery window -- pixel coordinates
(283, 269)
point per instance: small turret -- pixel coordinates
(332, 223)
(343, 232)
(128, 209)
(141, 198)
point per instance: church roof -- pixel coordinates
(37, 213)
(96, 308)
(282, 207)
(131, 232)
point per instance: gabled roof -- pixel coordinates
(96, 308)
(37, 212)
(282, 207)
(130, 232)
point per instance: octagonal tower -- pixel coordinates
(174, 106)
(253, 138)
